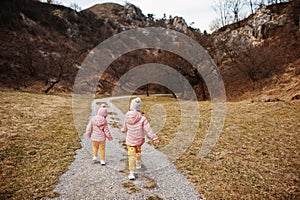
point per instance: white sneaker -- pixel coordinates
(131, 176)
(95, 159)
(102, 162)
(138, 165)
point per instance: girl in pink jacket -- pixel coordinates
(97, 130)
(136, 126)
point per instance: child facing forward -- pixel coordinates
(136, 126)
(97, 130)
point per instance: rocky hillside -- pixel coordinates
(129, 16)
(43, 46)
(259, 56)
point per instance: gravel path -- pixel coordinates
(158, 178)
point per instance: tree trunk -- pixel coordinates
(147, 90)
(52, 83)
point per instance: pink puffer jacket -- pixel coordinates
(97, 129)
(136, 126)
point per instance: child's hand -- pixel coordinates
(110, 138)
(156, 141)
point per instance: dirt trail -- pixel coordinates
(158, 178)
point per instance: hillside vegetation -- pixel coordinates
(43, 46)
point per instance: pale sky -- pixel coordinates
(198, 11)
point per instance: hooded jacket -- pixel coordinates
(136, 126)
(97, 128)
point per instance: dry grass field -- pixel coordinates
(37, 143)
(256, 156)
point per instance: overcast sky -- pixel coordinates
(198, 11)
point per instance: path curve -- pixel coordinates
(157, 178)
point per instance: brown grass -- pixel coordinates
(256, 156)
(37, 143)
(130, 187)
(154, 197)
(149, 183)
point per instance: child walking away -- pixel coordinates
(97, 130)
(136, 126)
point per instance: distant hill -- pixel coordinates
(43, 46)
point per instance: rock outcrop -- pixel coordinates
(133, 14)
(177, 23)
(265, 23)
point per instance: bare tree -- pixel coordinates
(251, 6)
(260, 3)
(28, 54)
(75, 6)
(60, 66)
(56, 2)
(222, 9)
(235, 7)
(255, 4)
(215, 24)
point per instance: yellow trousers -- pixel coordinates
(134, 155)
(99, 145)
